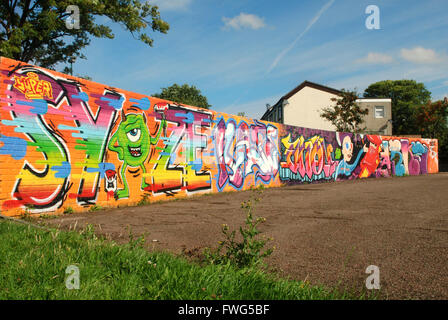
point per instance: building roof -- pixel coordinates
(374, 100)
(304, 84)
(314, 85)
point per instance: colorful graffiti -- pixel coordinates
(326, 155)
(307, 159)
(67, 142)
(242, 150)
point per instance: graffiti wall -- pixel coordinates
(70, 143)
(309, 155)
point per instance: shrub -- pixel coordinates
(249, 251)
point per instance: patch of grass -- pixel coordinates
(33, 264)
(48, 216)
(26, 215)
(145, 200)
(95, 207)
(68, 210)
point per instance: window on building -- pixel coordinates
(379, 111)
(281, 114)
(275, 114)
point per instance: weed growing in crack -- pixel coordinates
(145, 199)
(68, 210)
(250, 250)
(95, 207)
(138, 242)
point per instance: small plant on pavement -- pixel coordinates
(68, 210)
(145, 200)
(95, 207)
(250, 250)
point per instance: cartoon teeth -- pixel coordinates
(135, 152)
(110, 181)
(161, 107)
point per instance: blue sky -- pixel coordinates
(243, 54)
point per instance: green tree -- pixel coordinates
(432, 118)
(184, 94)
(406, 95)
(346, 115)
(35, 31)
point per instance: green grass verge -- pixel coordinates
(33, 264)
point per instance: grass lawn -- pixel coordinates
(33, 264)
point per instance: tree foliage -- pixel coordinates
(184, 94)
(432, 118)
(346, 115)
(406, 96)
(35, 30)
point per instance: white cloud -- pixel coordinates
(244, 20)
(421, 55)
(425, 74)
(171, 4)
(308, 27)
(376, 58)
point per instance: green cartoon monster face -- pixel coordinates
(132, 143)
(133, 137)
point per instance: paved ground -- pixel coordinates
(326, 233)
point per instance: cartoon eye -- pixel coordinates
(134, 135)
